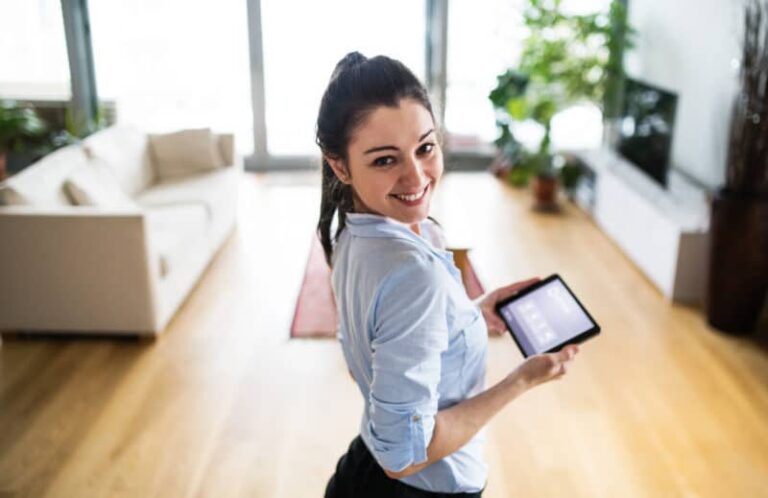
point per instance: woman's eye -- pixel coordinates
(426, 148)
(383, 161)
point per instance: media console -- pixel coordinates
(665, 232)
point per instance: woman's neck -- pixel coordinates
(360, 207)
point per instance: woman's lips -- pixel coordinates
(412, 199)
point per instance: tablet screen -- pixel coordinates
(546, 317)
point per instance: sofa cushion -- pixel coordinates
(215, 191)
(40, 184)
(177, 233)
(184, 153)
(123, 149)
(94, 184)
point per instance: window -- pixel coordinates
(171, 64)
(485, 39)
(302, 42)
(34, 51)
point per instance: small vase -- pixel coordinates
(545, 190)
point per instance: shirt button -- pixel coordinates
(416, 418)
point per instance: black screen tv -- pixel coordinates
(646, 126)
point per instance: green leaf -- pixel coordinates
(18, 122)
(518, 109)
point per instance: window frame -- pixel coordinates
(260, 159)
(85, 96)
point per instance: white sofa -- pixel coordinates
(123, 268)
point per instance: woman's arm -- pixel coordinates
(455, 426)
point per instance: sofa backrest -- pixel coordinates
(41, 183)
(123, 149)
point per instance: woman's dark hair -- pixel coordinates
(358, 86)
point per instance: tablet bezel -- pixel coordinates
(595, 330)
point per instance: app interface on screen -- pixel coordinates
(546, 317)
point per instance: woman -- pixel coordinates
(413, 341)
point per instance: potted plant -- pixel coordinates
(738, 272)
(16, 124)
(565, 59)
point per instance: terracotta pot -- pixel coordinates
(738, 272)
(545, 191)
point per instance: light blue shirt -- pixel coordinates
(414, 342)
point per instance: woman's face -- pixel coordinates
(393, 162)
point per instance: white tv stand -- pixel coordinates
(665, 232)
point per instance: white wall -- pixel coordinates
(691, 47)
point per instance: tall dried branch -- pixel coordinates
(747, 168)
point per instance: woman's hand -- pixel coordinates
(542, 368)
(487, 303)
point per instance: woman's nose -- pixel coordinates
(413, 174)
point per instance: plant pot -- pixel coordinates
(738, 267)
(514, 174)
(545, 189)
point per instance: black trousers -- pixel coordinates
(358, 475)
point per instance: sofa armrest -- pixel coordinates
(76, 270)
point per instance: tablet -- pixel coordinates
(546, 316)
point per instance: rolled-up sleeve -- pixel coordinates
(410, 333)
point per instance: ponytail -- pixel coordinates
(336, 198)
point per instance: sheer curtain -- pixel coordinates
(33, 51)
(171, 64)
(303, 40)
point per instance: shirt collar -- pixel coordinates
(374, 225)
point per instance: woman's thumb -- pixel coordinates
(568, 352)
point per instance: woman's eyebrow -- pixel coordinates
(392, 147)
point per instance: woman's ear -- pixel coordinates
(340, 169)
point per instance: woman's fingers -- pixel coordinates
(487, 302)
(509, 290)
(545, 367)
(564, 357)
(560, 361)
(559, 371)
(568, 352)
(496, 325)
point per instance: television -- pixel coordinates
(646, 126)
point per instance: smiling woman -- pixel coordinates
(394, 180)
(393, 151)
(412, 339)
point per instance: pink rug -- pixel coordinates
(315, 314)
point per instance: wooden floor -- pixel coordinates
(223, 404)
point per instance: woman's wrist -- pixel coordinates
(515, 383)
